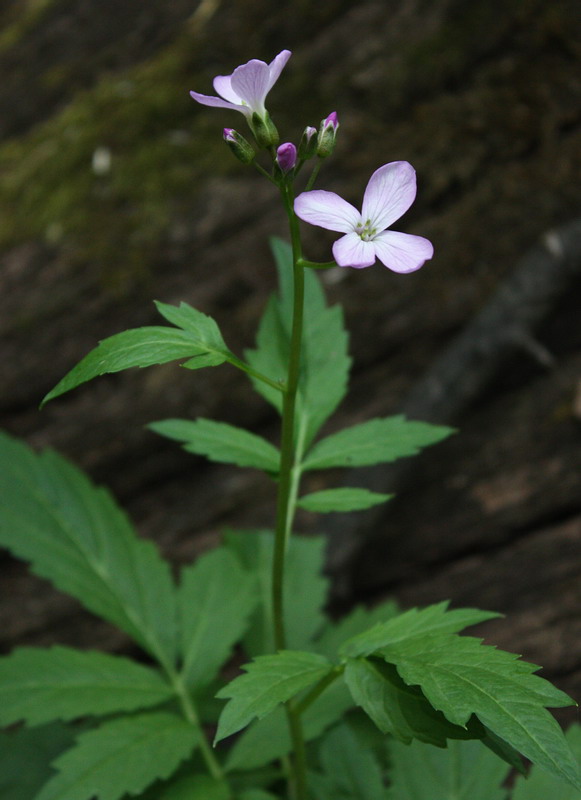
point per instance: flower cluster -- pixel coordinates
(389, 194)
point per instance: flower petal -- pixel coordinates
(352, 251)
(223, 86)
(276, 66)
(327, 210)
(217, 102)
(402, 252)
(251, 83)
(390, 192)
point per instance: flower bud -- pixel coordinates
(264, 130)
(308, 143)
(327, 135)
(286, 157)
(241, 148)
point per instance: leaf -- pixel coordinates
(269, 680)
(216, 598)
(400, 710)
(202, 328)
(357, 621)
(305, 588)
(75, 535)
(221, 442)
(350, 769)
(39, 685)
(373, 442)
(268, 739)
(464, 770)
(195, 787)
(121, 756)
(25, 758)
(541, 785)
(257, 794)
(461, 677)
(412, 625)
(345, 499)
(324, 360)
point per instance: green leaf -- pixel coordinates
(345, 499)
(39, 685)
(398, 709)
(460, 677)
(195, 787)
(464, 770)
(216, 598)
(257, 794)
(268, 739)
(324, 360)
(541, 785)
(374, 442)
(221, 442)
(413, 625)
(357, 621)
(269, 680)
(305, 588)
(25, 758)
(122, 756)
(349, 768)
(202, 328)
(75, 535)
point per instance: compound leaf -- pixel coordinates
(269, 680)
(38, 685)
(75, 535)
(122, 756)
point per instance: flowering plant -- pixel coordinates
(368, 708)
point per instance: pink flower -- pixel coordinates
(246, 88)
(286, 156)
(390, 192)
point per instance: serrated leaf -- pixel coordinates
(203, 328)
(460, 677)
(324, 360)
(269, 680)
(357, 621)
(374, 442)
(344, 499)
(349, 768)
(268, 739)
(305, 588)
(221, 442)
(398, 709)
(216, 598)
(412, 625)
(75, 535)
(541, 785)
(41, 685)
(195, 787)
(464, 770)
(26, 756)
(122, 756)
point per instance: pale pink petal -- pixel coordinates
(402, 252)
(390, 192)
(327, 210)
(276, 66)
(223, 86)
(251, 83)
(352, 251)
(217, 102)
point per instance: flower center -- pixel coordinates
(365, 231)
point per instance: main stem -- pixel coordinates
(287, 488)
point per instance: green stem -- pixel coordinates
(318, 264)
(318, 689)
(314, 174)
(190, 713)
(237, 362)
(289, 477)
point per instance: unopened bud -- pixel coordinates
(308, 143)
(327, 135)
(264, 130)
(286, 156)
(241, 148)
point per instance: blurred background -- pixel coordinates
(116, 188)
